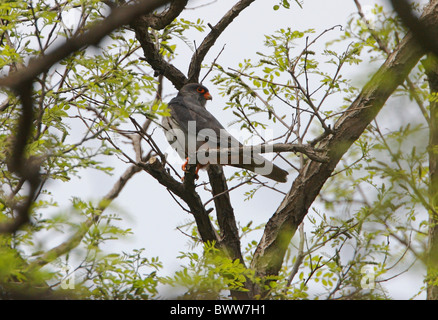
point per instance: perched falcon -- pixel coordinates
(190, 128)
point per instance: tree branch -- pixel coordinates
(419, 27)
(186, 190)
(153, 56)
(27, 168)
(225, 213)
(230, 238)
(160, 21)
(187, 193)
(151, 53)
(312, 153)
(21, 82)
(210, 39)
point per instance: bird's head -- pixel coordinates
(196, 91)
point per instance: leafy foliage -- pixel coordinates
(209, 275)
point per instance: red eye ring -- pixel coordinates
(200, 89)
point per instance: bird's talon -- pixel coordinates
(196, 177)
(184, 168)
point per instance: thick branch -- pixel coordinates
(230, 238)
(186, 192)
(161, 20)
(153, 56)
(419, 28)
(27, 168)
(281, 227)
(225, 213)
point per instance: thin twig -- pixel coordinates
(299, 258)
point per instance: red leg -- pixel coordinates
(198, 166)
(183, 167)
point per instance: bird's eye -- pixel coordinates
(200, 90)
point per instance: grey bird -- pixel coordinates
(191, 128)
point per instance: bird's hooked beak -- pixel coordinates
(208, 96)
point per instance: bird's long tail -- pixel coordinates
(265, 168)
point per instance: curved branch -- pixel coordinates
(185, 191)
(161, 20)
(153, 56)
(22, 81)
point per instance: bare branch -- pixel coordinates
(230, 239)
(210, 39)
(299, 259)
(186, 192)
(225, 213)
(312, 153)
